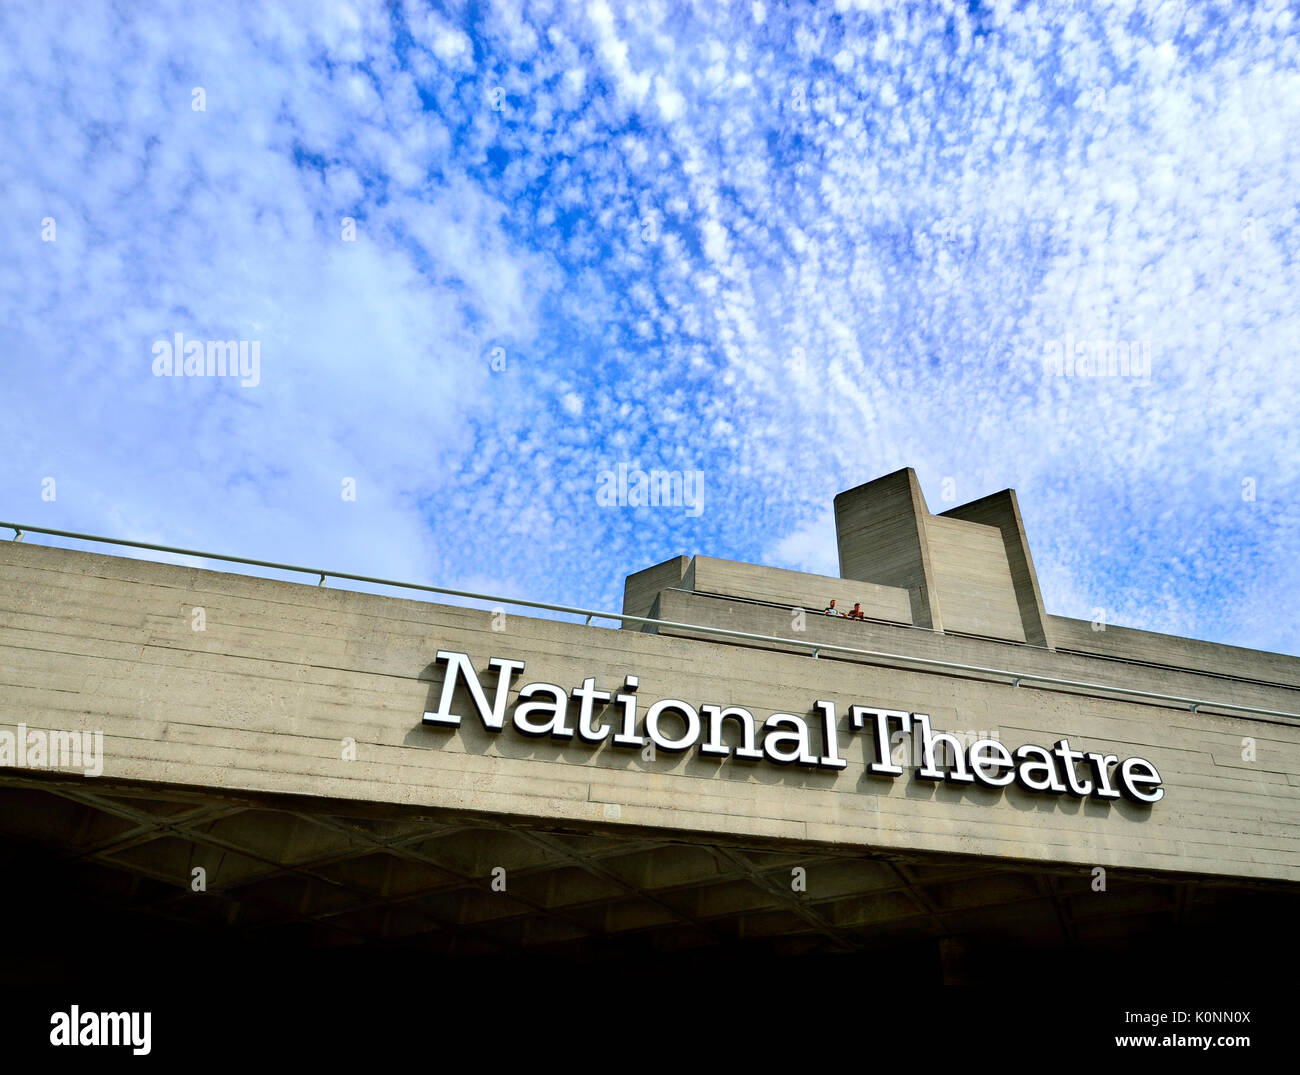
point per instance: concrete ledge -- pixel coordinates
(794, 589)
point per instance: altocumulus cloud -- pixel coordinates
(790, 247)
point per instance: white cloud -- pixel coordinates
(832, 292)
(450, 44)
(810, 548)
(715, 240)
(671, 103)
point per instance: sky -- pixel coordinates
(487, 253)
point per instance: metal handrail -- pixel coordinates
(816, 648)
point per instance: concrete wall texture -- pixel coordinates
(282, 674)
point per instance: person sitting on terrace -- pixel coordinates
(831, 610)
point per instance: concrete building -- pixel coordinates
(960, 780)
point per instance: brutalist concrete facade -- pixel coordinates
(303, 749)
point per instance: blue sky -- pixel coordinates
(791, 247)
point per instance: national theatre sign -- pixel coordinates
(547, 710)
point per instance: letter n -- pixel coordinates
(458, 666)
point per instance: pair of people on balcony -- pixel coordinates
(855, 613)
